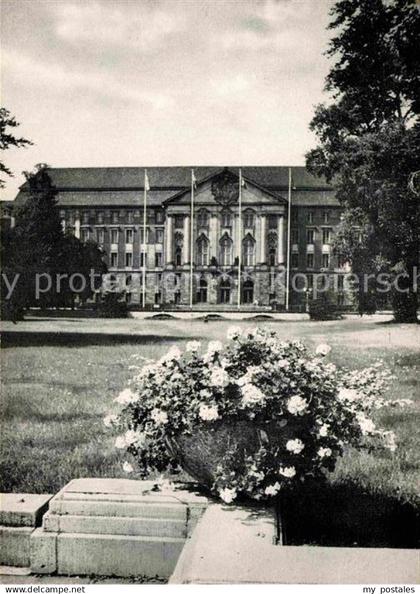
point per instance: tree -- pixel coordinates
(7, 139)
(369, 140)
(52, 266)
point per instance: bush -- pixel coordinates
(250, 417)
(111, 305)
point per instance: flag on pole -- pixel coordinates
(193, 186)
(144, 242)
(239, 239)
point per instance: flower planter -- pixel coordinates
(201, 453)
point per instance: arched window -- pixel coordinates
(248, 291)
(226, 251)
(203, 218)
(202, 251)
(226, 218)
(202, 290)
(249, 251)
(225, 288)
(249, 219)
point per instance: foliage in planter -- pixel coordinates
(324, 307)
(250, 417)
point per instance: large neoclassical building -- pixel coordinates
(239, 234)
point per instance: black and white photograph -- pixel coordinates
(210, 268)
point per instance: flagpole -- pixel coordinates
(240, 238)
(289, 216)
(143, 247)
(192, 238)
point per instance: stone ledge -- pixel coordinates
(22, 509)
(248, 556)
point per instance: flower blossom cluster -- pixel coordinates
(301, 409)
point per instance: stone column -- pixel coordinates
(236, 239)
(214, 252)
(280, 239)
(263, 238)
(187, 241)
(77, 227)
(169, 239)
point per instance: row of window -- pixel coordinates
(310, 216)
(128, 260)
(114, 234)
(310, 261)
(115, 216)
(311, 235)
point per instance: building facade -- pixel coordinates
(207, 252)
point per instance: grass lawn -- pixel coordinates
(59, 378)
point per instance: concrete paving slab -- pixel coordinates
(118, 509)
(131, 526)
(10, 570)
(22, 509)
(248, 556)
(112, 555)
(14, 545)
(43, 551)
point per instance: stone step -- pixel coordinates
(104, 554)
(22, 509)
(14, 545)
(20, 513)
(131, 526)
(95, 507)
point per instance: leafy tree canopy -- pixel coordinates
(369, 134)
(7, 138)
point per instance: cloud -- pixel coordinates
(229, 87)
(281, 27)
(28, 71)
(134, 25)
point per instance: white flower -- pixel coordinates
(127, 467)
(248, 376)
(283, 364)
(272, 489)
(215, 346)
(389, 440)
(295, 446)
(296, 405)
(120, 442)
(323, 349)
(160, 417)
(227, 495)
(219, 377)
(348, 395)
(126, 397)
(324, 452)
(234, 332)
(193, 346)
(173, 354)
(287, 471)
(109, 420)
(251, 394)
(367, 426)
(208, 413)
(132, 437)
(323, 430)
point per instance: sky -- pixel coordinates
(162, 82)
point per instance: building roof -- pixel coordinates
(120, 186)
